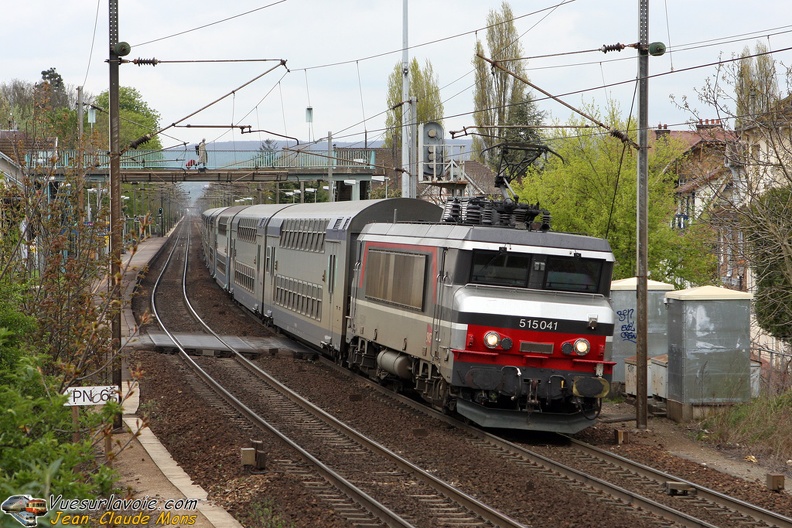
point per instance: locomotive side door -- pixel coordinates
(440, 325)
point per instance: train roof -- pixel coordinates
(353, 216)
(229, 212)
(459, 235)
(261, 213)
(210, 213)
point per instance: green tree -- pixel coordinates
(591, 189)
(504, 108)
(44, 109)
(16, 102)
(767, 223)
(136, 117)
(423, 86)
(756, 89)
(746, 92)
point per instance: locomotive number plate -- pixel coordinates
(538, 324)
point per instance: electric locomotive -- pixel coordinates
(478, 309)
(508, 327)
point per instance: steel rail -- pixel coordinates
(635, 500)
(479, 508)
(751, 510)
(375, 508)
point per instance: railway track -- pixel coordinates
(287, 412)
(617, 483)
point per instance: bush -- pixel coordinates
(37, 456)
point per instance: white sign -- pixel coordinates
(91, 395)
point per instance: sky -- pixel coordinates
(339, 54)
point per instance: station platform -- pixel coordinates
(145, 465)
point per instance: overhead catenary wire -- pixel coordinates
(93, 42)
(668, 34)
(362, 106)
(365, 121)
(147, 137)
(712, 42)
(661, 74)
(614, 132)
(204, 26)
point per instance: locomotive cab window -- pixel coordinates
(500, 268)
(542, 272)
(573, 274)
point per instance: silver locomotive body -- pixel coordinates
(506, 327)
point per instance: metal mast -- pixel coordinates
(642, 255)
(115, 200)
(406, 106)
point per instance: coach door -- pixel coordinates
(268, 283)
(335, 292)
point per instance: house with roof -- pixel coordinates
(708, 176)
(19, 154)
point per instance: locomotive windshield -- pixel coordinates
(545, 272)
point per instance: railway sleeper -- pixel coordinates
(679, 488)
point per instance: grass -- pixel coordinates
(263, 515)
(763, 425)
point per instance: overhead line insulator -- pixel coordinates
(147, 62)
(612, 47)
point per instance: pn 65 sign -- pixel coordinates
(100, 395)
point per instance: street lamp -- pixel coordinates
(312, 191)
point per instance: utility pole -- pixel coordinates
(641, 409)
(117, 50)
(406, 106)
(81, 150)
(330, 183)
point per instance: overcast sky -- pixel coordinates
(339, 54)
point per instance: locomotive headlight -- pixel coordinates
(492, 339)
(582, 347)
